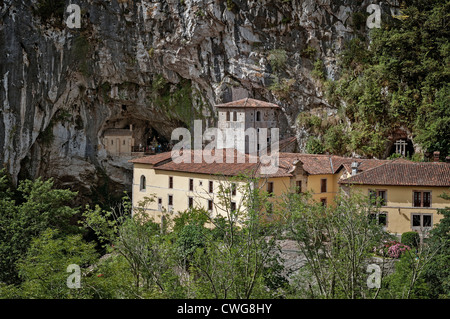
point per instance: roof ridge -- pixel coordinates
(366, 171)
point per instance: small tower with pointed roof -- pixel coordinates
(247, 113)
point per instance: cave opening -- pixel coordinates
(127, 136)
(403, 147)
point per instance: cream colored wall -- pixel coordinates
(280, 185)
(314, 187)
(399, 198)
(400, 205)
(157, 186)
(120, 148)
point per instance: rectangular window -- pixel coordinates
(159, 203)
(298, 185)
(323, 185)
(416, 220)
(380, 218)
(426, 196)
(381, 195)
(417, 199)
(170, 201)
(191, 202)
(378, 197)
(270, 188)
(426, 220)
(373, 196)
(420, 221)
(228, 116)
(235, 116)
(233, 189)
(210, 205)
(323, 201)
(233, 206)
(211, 186)
(422, 199)
(170, 182)
(191, 184)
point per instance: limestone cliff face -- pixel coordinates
(154, 64)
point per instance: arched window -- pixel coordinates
(258, 116)
(142, 184)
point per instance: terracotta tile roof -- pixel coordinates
(371, 171)
(152, 159)
(405, 173)
(364, 164)
(250, 166)
(248, 102)
(224, 168)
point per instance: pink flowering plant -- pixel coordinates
(397, 250)
(391, 249)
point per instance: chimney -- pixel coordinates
(355, 168)
(436, 156)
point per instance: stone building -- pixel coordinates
(119, 141)
(244, 114)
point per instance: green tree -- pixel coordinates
(149, 254)
(35, 207)
(239, 258)
(437, 274)
(43, 269)
(336, 242)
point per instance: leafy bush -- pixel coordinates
(397, 250)
(391, 249)
(318, 71)
(314, 145)
(190, 238)
(277, 59)
(411, 239)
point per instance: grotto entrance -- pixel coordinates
(403, 147)
(400, 144)
(123, 137)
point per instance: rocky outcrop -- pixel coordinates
(155, 64)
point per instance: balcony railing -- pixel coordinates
(147, 150)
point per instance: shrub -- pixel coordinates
(411, 239)
(318, 71)
(391, 249)
(397, 250)
(277, 59)
(314, 145)
(190, 238)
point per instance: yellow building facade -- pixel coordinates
(216, 188)
(410, 192)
